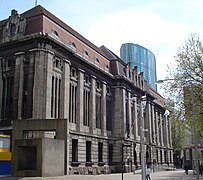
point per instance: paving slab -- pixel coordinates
(162, 175)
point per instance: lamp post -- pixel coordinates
(194, 120)
(143, 163)
(142, 128)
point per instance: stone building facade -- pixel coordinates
(49, 71)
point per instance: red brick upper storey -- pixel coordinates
(38, 19)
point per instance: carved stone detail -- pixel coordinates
(14, 28)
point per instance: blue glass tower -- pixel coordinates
(143, 58)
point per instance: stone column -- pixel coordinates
(170, 135)
(49, 84)
(18, 84)
(40, 86)
(149, 123)
(119, 119)
(133, 128)
(157, 129)
(166, 130)
(119, 112)
(130, 120)
(153, 124)
(93, 105)
(80, 94)
(65, 90)
(161, 129)
(134, 120)
(136, 124)
(103, 109)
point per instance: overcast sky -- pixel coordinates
(159, 25)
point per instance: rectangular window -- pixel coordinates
(25, 94)
(139, 123)
(132, 115)
(7, 98)
(74, 150)
(52, 96)
(3, 98)
(9, 102)
(88, 151)
(55, 103)
(100, 152)
(59, 97)
(55, 97)
(86, 105)
(108, 114)
(72, 103)
(127, 118)
(110, 153)
(98, 111)
(75, 104)
(27, 105)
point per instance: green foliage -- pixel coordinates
(189, 60)
(194, 110)
(187, 87)
(177, 129)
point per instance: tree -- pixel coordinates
(188, 82)
(194, 106)
(178, 131)
(177, 127)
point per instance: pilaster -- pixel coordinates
(149, 122)
(166, 131)
(130, 115)
(80, 99)
(157, 129)
(39, 89)
(103, 109)
(119, 112)
(65, 106)
(93, 105)
(153, 124)
(65, 90)
(161, 129)
(49, 83)
(136, 123)
(18, 84)
(170, 134)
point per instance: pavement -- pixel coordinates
(161, 175)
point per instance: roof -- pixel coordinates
(39, 10)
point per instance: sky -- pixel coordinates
(162, 26)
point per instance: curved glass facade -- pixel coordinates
(142, 58)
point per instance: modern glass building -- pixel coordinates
(143, 58)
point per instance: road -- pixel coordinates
(163, 175)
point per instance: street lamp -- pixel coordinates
(194, 120)
(142, 128)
